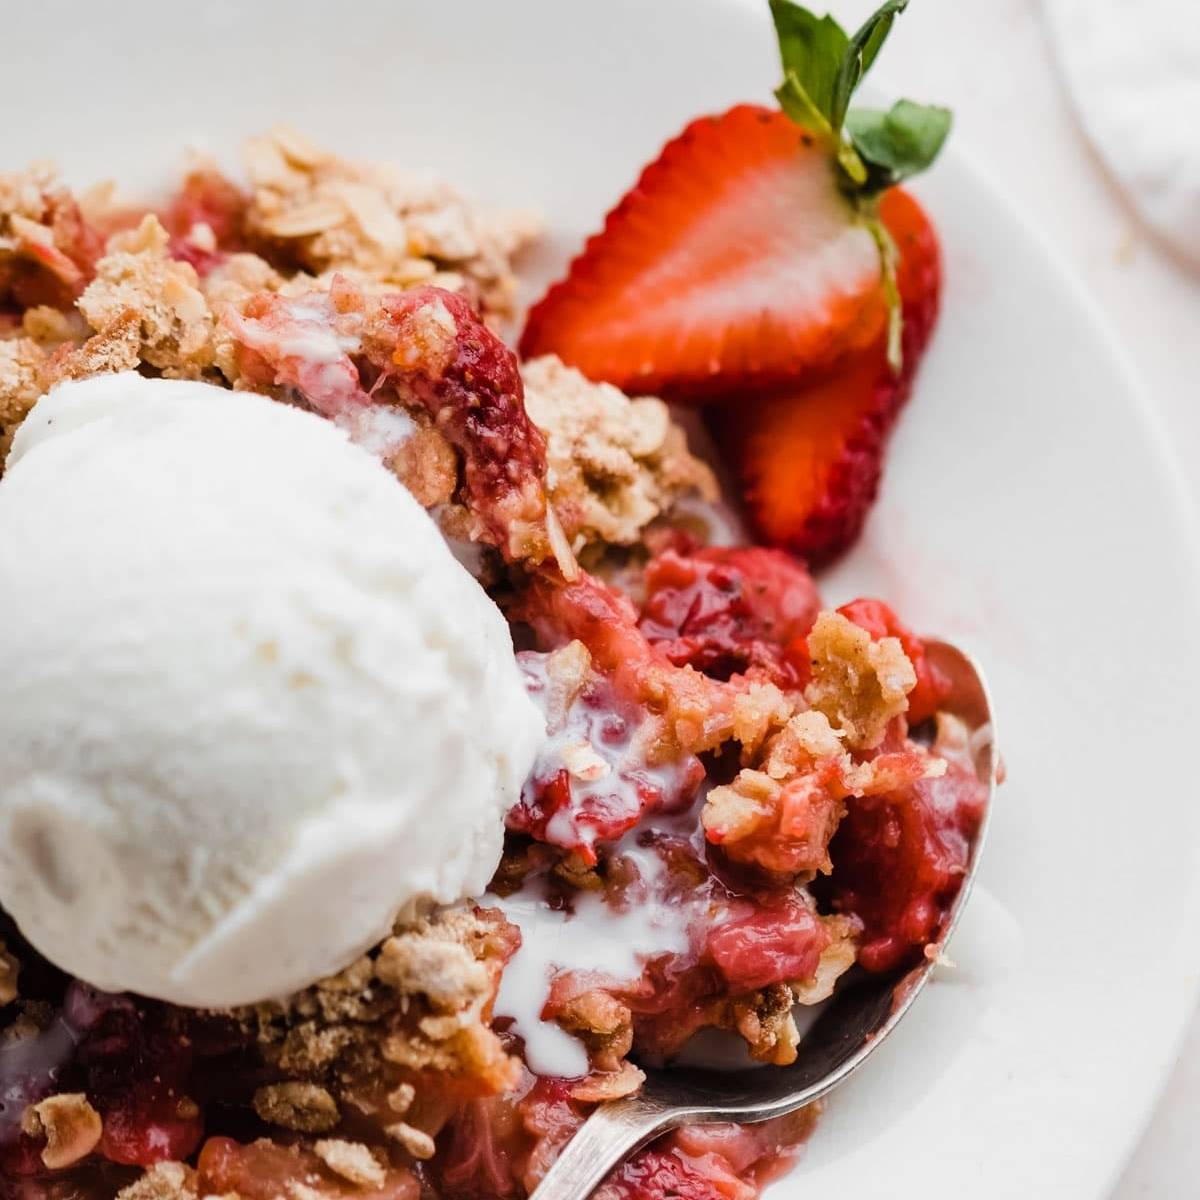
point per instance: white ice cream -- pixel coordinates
(252, 706)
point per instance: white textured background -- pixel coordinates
(992, 61)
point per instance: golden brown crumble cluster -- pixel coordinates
(134, 300)
(70, 1126)
(378, 224)
(359, 1042)
(613, 463)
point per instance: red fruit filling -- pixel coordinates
(899, 860)
(731, 610)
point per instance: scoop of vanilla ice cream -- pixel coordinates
(252, 704)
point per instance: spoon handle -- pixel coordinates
(605, 1138)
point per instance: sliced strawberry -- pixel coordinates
(809, 457)
(735, 259)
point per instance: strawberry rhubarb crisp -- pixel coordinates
(741, 793)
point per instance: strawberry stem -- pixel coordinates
(891, 290)
(872, 149)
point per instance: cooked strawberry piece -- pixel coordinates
(879, 621)
(734, 261)
(669, 1174)
(435, 351)
(731, 610)
(356, 358)
(265, 1170)
(899, 860)
(136, 1062)
(593, 780)
(52, 260)
(809, 456)
(754, 1150)
(482, 1148)
(777, 943)
(206, 198)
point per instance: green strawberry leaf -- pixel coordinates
(795, 100)
(870, 149)
(900, 142)
(860, 53)
(812, 49)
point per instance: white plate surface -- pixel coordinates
(1029, 510)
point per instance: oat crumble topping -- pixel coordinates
(352, 1161)
(163, 1181)
(614, 463)
(858, 683)
(70, 1126)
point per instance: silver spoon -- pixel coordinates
(857, 1020)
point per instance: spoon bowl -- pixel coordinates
(856, 1020)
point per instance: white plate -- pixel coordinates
(1030, 509)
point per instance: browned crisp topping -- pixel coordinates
(603, 1023)
(416, 1141)
(400, 1098)
(764, 1019)
(378, 224)
(352, 1161)
(312, 214)
(363, 1038)
(427, 465)
(598, 1088)
(426, 961)
(70, 1125)
(836, 959)
(10, 970)
(613, 463)
(303, 1107)
(21, 359)
(163, 1181)
(114, 348)
(175, 323)
(858, 683)
(736, 811)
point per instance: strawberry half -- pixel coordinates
(809, 457)
(735, 260)
(751, 252)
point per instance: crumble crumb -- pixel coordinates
(352, 1161)
(303, 1107)
(115, 348)
(421, 961)
(163, 1181)
(416, 1141)
(21, 359)
(363, 1039)
(766, 1023)
(602, 1022)
(175, 323)
(426, 464)
(400, 1098)
(836, 959)
(614, 463)
(70, 1125)
(600, 1087)
(858, 683)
